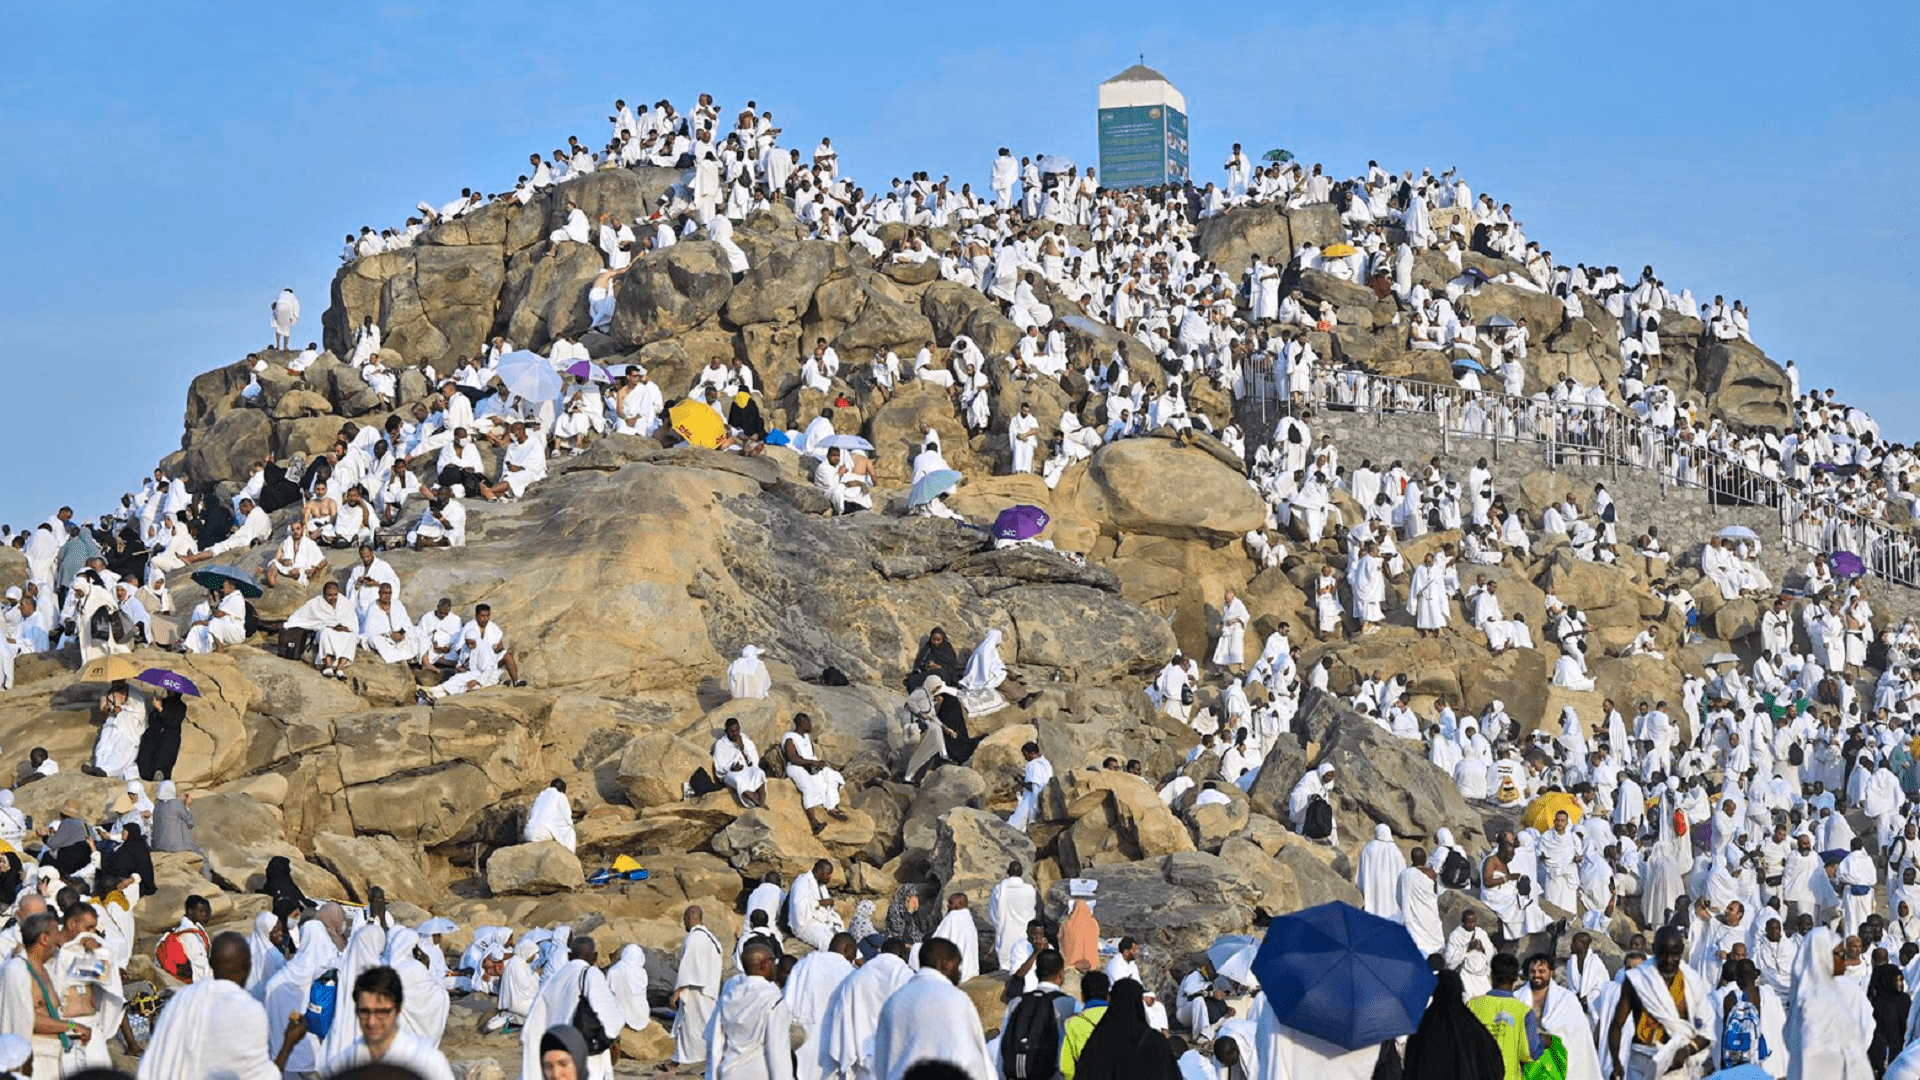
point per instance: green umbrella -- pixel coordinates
(1278, 155)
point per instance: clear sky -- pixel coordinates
(176, 164)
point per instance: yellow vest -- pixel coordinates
(1506, 1018)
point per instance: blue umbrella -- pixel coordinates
(169, 680)
(1020, 523)
(844, 441)
(1500, 320)
(1340, 974)
(1470, 364)
(932, 486)
(210, 577)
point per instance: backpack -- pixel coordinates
(833, 676)
(1455, 871)
(587, 1023)
(321, 1001)
(170, 953)
(774, 761)
(1795, 755)
(1742, 1033)
(1317, 823)
(1030, 1048)
(100, 625)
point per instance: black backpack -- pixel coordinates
(587, 1023)
(100, 625)
(1795, 755)
(1455, 871)
(1318, 821)
(1030, 1047)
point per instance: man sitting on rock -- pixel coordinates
(844, 487)
(810, 907)
(736, 763)
(299, 557)
(818, 782)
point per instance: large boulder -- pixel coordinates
(534, 870)
(670, 292)
(1232, 240)
(1157, 486)
(974, 849)
(438, 305)
(1384, 779)
(362, 862)
(545, 296)
(1744, 386)
(1093, 634)
(779, 288)
(227, 448)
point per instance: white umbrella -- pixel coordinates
(1722, 658)
(1239, 966)
(1738, 532)
(1055, 163)
(846, 442)
(529, 376)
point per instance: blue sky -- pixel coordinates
(177, 164)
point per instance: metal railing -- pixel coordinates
(1601, 436)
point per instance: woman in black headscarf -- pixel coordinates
(1887, 993)
(936, 657)
(130, 857)
(280, 884)
(563, 1054)
(12, 873)
(1122, 1046)
(1451, 1043)
(908, 916)
(160, 743)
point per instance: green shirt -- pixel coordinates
(1506, 1018)
(1074, 1034)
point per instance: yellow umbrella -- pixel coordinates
(1539, 813)
(1335, 251)
(698, 423)
(111, 668)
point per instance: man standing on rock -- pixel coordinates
(286, 314)
(696, 986)
(809, 990)
(1010, 908)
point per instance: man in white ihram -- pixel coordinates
(931, 1019)
(577, 981)
(286, 314)
(810, 907)
(748, 1037)
(1011, 907)
(551, 817)
(696, 987)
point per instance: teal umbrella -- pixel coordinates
(1278, 155)
(210, 577)
(932, 486)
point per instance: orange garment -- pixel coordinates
(1080, 938)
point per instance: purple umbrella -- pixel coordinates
(1020, 523)
(587, 369)
(169, 680)
(1846, 564)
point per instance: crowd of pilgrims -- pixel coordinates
(1757, 840)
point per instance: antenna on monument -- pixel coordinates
(1143, 58)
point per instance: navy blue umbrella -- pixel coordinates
(1343, 975)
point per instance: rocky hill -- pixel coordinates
(629, 579)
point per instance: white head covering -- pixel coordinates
(985, 669)
(627, 978)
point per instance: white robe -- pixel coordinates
(320, 616)
(559, 996)
(209, 1024)
(698, 981)
(817, 789)
(810, 989)
(550, 818)
(958, 928)
(1379, 875)
(747, 1038)
(853, 1015)
(747, 776)
(1010, 909)
(930, 1019)
(1419, 901)
(1231, 649)
(409, 1051)
(747, 677)
(812, 922)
